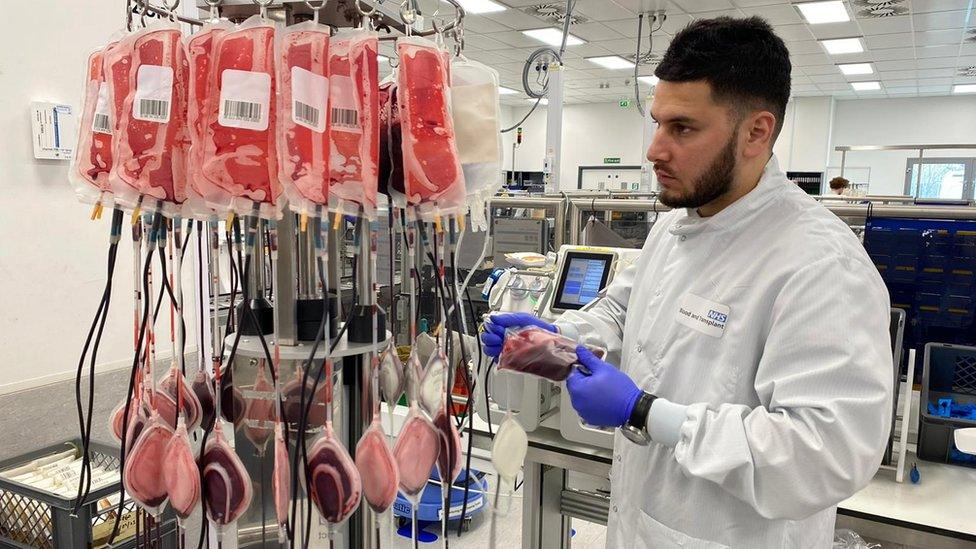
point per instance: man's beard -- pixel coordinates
(715, 182)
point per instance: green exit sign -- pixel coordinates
(609, 160)
(624, 103)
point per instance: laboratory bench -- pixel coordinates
(936, 513)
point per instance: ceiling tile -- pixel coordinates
(836, 30)
(965, 80)
(699, 6)
(626, 27)
(924, 6)
(783, 14)
(593, 49)
(936, 73)
(602, 10)
(812, 59)
(938, 63)
(820, 69)
(886, 41)
(675, 22)
(968, 49)
(594, 31)
(936, 51)
(935, 89)
(483, 42)
(910, 83)
(938, 37)
(481, 24)
(903, 65)
(898, 75)
(805, 88)
(621, 46)
(805, 47)
(935, 81)
(754, 3)
(829, 79)
(894, 54)
(487, 57)
(516, 19)
(732, 12)
(886, 25)
(798, 80)
(940, 20)
(834, 87)
(793, 33)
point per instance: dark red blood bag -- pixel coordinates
(532, 350)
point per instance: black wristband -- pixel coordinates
(638, 416)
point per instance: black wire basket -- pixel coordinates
(36, 518)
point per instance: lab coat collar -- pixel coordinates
(771, 183)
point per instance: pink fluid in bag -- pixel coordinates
(180, 474)
(354, 123)
(304, 140)
(200, 51)
(281, 481)
(239, 141)
(378, 468)
(259, 412)
(434, 181)
(143, 473)
(152, 139)
(416, 451)
(93, 158)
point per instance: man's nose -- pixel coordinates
(658, 151)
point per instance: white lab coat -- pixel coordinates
(768, 416)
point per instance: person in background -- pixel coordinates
(748, 363)
(839, 185)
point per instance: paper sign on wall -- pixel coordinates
(53, 130)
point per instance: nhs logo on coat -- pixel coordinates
(702, 315)
(717, 316)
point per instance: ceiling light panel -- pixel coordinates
(866, 86)
(543, 101)
(611, 62)
(553, 37)
(817, 13)
(964, 88)
(851, 69)
(481, 6)
(502, 90)
(649, 80)
(841, 46)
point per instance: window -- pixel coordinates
(941, 178)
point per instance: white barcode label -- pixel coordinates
(154, 93)
(344, 105)
(245, 99)
(102, 121)
(310, 96)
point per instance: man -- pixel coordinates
(751, 335)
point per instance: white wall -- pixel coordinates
(804, 142)
(591, 132)
(906, 121)
(52, 258)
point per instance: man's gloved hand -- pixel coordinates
(606, 396)
(494, 335)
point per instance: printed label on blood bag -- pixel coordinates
(102, 121)
(310, 96)
(245, 99)
(344, 107)
(154, 94)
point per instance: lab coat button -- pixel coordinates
(684, 237)
(614, 508)
(640, 348)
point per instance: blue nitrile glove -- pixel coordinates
(494, 335)
(605, 396)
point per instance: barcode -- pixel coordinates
(306, 114)
(101, 124)
(242, 110)
(345, 117)
(154, 109)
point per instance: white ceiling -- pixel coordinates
(913, 55)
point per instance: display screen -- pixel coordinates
(583, 276)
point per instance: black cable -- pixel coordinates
(136, 360)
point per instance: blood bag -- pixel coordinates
(353, 122)
(92, 161)
(200, 55)
(434, 181)
(239, 167)
(303, 102)
(532, 350)
(477, 114)
(148, 90)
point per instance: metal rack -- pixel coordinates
(383, 11)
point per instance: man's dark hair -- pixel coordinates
(746, 64)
